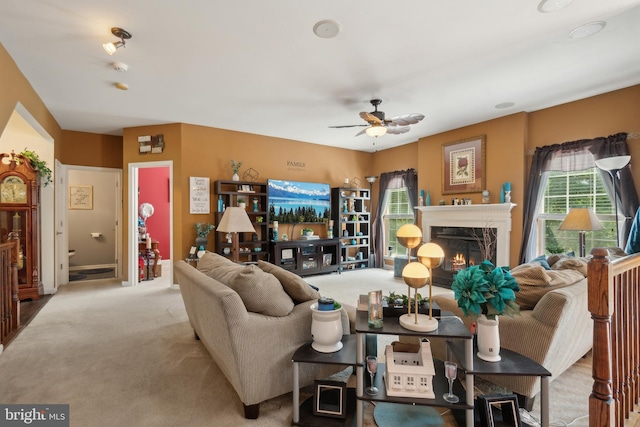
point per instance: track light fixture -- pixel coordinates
(111, 47)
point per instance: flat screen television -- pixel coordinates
(295, 202)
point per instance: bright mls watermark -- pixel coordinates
(34, 415)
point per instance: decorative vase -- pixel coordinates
(326, 329)
(201, 243)
(488, 339)
(235, 177)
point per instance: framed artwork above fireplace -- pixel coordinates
(463, 167)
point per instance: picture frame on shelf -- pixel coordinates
(499, 409)
(463, 168)
(245, 188)
(330, 399)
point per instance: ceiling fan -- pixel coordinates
(378, 125)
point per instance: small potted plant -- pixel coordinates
(235, 167)
(486, 292)
(242, 202)
(203, 229)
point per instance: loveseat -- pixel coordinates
(251, 319)
(554, 327)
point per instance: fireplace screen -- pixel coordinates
(463, 247)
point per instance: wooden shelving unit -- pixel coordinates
(253, 246)
(350, 211)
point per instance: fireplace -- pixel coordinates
(461, 249)
(475, 217)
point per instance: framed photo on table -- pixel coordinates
(463, 167)
(499, 409)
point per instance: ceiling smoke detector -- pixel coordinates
(120, 66)
(326, 29)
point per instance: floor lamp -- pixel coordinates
(581, 220)
(235, 220)
(613, 166)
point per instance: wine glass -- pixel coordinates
(372, 367)
(450, 371)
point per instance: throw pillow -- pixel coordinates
(298, 289)
(534, 282)
(261, 292)
(218, 267)
(572, 263)
(542, 260)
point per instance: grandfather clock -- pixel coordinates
(20, 219)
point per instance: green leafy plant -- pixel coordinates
(402, 300)
(235, 166)
(486, 289)
(40, 165)
(203, 228)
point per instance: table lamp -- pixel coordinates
(613, 166)
(235, 220)
(409, 236)
(430, 255)
(581, 220)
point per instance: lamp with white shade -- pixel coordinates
(235, 220)
(613, 166)
(581, 220)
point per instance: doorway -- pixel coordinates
(158, 181)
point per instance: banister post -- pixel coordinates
(600, 305)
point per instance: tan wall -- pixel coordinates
(202, 151)
(602, 115)
(14, 88)
(90, 149)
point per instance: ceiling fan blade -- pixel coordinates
(405, 119)
(346, 126)
(397, 130)
(370, 118)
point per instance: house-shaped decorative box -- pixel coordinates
(409, 370)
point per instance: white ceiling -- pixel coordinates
(256, 66)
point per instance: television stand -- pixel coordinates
(307, 257)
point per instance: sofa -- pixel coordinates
(554, 327)
(251, 319)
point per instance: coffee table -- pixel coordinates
(306, 354)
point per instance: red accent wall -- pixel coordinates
(154, 189)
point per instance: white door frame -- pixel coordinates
(61, 229)
(132, 219)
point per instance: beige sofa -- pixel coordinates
(251, 323)
(554, 327)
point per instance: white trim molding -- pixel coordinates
(496, 216)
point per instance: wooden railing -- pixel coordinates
(9, 302)
(614, 303)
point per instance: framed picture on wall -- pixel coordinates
(81, 197)
(463, 167)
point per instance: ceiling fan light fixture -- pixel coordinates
(376, 131)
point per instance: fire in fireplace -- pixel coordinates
(463, 247)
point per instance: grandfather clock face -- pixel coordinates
(13, 190)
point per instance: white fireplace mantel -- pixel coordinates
(496, 216)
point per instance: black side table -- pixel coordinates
(306, 354)
(512, 364)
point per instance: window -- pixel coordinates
(575, 189)
(397, 212)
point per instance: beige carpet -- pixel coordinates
(127, 356)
